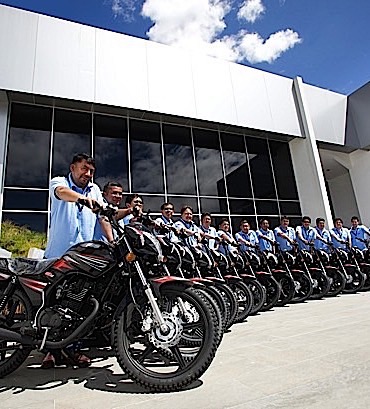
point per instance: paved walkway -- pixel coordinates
(305, 356)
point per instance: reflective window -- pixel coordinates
(236, 167)
(146, 157)
(179, 160)
(239, 206)
(209, 166)
(213, 205)
(28, 147)
(153, 203)
(34, 221)
(110, 150)
(267, 207)
(180, 202)
(292, 208)
(261, 171)
(72, 134)
(283, 170)
(15, 199)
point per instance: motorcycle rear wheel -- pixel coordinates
(337, 282)
(18, 308)
(163, 362)
(303, 288)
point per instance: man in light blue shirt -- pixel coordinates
(266, 237)
(360, 234)
(70, 221)
(340, 235)
(246, 237)
(285, 235)
(323, 236)
(305, 234)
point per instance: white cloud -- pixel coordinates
(255, 49)
(124, 9)
(198, 25)
(251, 10)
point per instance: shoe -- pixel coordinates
(82, 360)
(48, 362)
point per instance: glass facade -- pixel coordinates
(230, 175)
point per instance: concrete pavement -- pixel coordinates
(304, 356)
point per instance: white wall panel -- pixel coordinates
(282, 105)
(251, 99)
(328, 113)
(213, 89)
(65, 59)
(171, 88)
(121, 70)
(17, 48)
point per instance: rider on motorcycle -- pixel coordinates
(305, 234)
(341, 236)
(285, 235)
(323, 237)
(359, 234)
(246, 237)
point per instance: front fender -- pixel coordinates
(169, 282)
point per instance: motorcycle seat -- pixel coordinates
(278, 271)
(297, 271)
(28, 266)
(314, 269)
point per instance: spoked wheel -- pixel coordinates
(356, 280)
(258, 295)
(17, 309)
(287, 287)
(272, 291)
(231, 302)
(365, 268)
(163, 360)
(303, 286)
(222, 303)
(244, 300)
(321, 284)
(337, 282)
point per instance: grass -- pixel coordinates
(19, 239)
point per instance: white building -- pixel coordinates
(172, 125)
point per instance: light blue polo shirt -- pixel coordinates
(251, 236)
(70, 223)
(284, 243)
(319, 245)
(264, 244)
(308, 234)
(361, 232)
(341, 234)
(190, 240)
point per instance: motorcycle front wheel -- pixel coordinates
(166, 361)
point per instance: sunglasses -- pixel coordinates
(167, 209)
(138, 201)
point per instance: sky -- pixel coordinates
(326, 42)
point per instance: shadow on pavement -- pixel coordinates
(31, 377)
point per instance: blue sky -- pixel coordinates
(326, 42)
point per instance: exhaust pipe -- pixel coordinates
(8, 335)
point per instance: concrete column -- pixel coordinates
(306, 163)
(4, 106)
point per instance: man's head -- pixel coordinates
(284, 221)
(338, 222)
(82, 169)
(306, 221)
(167, 210)
(206, 220)
(134, 200)
(113, 192)
(355, 221)
(320, 223)
(224, 224)
(244, 225)
(264, 224)
(187, 213)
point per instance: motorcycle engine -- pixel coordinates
(68, 310)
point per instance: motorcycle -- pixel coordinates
(163, 332)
